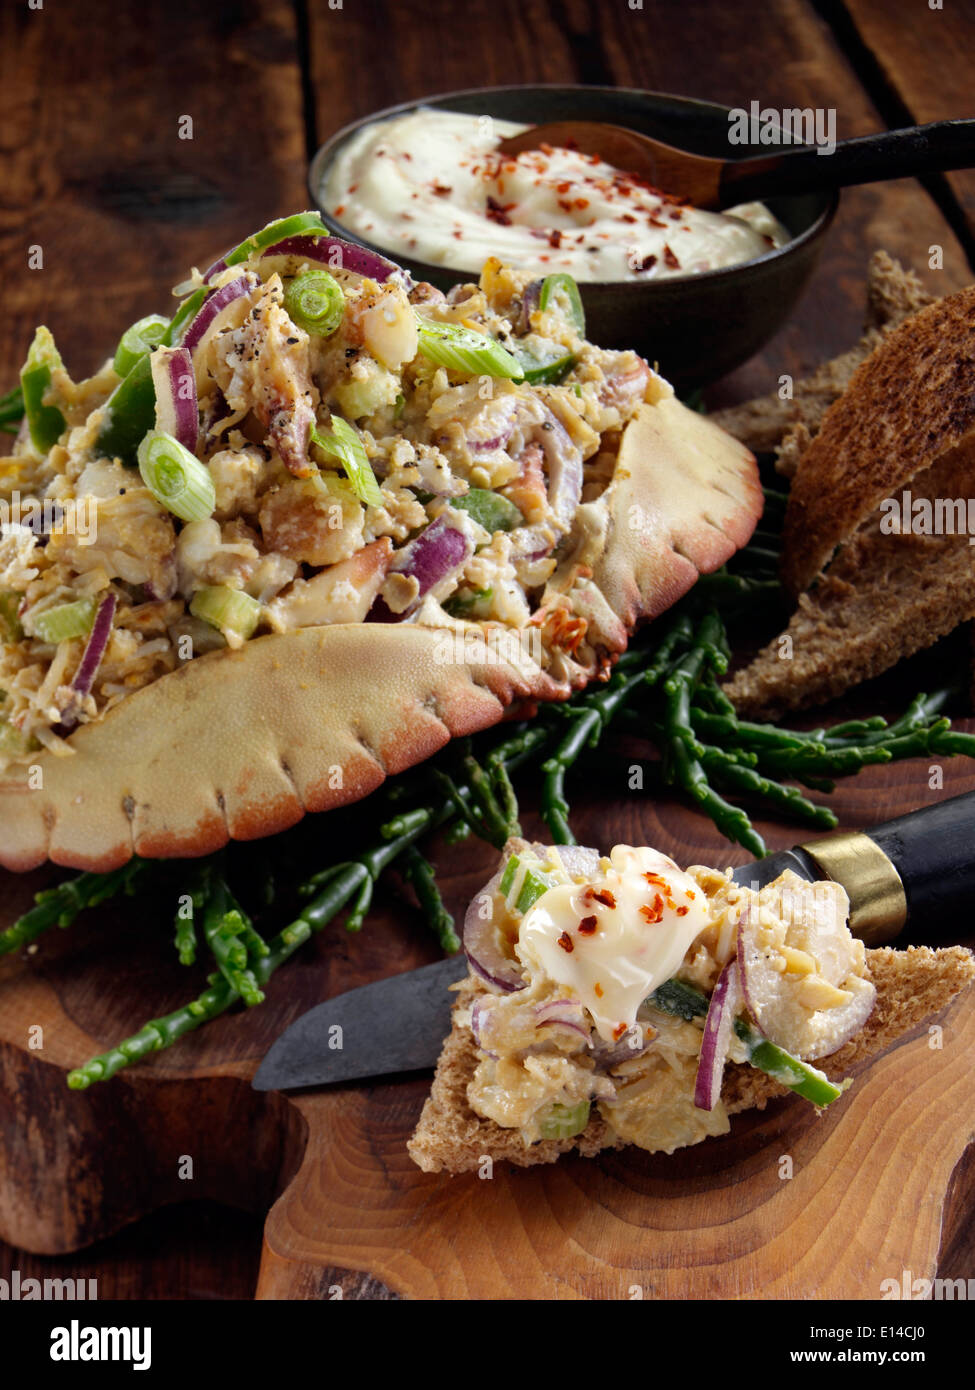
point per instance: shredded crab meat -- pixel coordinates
(289, 527)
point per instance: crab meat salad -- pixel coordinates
(622, 985)
(308, 439)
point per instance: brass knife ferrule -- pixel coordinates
(878, 903)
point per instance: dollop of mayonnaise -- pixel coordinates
(615, 938)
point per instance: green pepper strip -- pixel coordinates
(45, 422)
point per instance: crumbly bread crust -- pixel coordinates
(883, 598)
(912, 985)
(909, 404)
(767, 422)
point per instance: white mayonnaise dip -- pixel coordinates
(429, 185)
(615, 939)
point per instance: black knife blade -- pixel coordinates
(920, 864)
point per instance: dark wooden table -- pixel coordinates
(93, 97)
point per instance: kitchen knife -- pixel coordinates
(918, 867)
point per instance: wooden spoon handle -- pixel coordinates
(895, 154)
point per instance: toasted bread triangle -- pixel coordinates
(912, 985)
(909, 404)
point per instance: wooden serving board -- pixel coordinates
(351, 1216)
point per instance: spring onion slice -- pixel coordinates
(343, 443)
(147, 333)
(65, 620)
(315, 302)
(175, 477)
(462, 350)
(563, 287)
(45, 422)
(235, 613)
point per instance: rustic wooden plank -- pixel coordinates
(197, 1250)
(126, 209)
(795, 62)
(95, 171)
(924, 56)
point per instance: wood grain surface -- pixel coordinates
(91, 95)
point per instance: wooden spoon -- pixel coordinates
(719, 183)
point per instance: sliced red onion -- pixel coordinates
(439, 551)
(336, 254)
(718, 1027)
(483, 945)
(567, 1013)
(176, 405)
(214, 270)
(483, 446)
(529, 303)
(633, 1043)
(167, 580)
(530, 543)
(770, 999)
(101, 631)
(214, 305)
(564, 467)
(422, 292)
(476, 1013)
(579, 860)
(84, 677)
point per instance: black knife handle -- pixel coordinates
(918, 868)
(933, 850)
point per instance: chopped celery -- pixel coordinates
(235, 613)
(508, 877)
(564, 1121)
(66, 620)
(523, 882)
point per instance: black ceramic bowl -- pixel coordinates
(697, 327)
